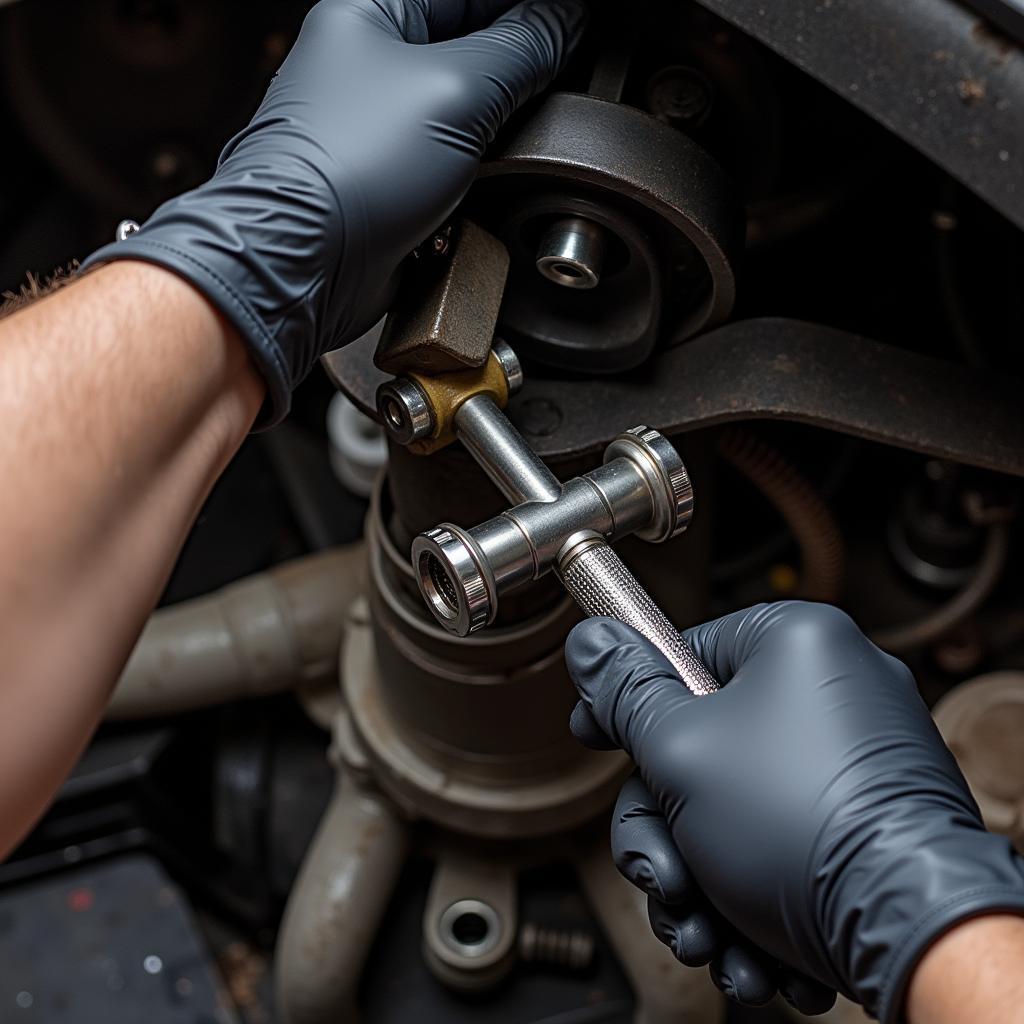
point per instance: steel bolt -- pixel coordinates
(570, 949)
(680, 96)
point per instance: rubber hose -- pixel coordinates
(797, 501)
(263, 634)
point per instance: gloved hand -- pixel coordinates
(363, 145)
(805, 822)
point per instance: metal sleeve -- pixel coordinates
(600, 583)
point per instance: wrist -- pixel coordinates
(910, 884)
(222, 390)
(977, 963)
(257, 245)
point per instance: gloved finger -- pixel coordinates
(744, 974)
(643, 848)
(450, 18)
(694, 936)
(516, 57)
(416, 21)
(625, 681)
(806, 995)
(779, 633)
(725, 644)
(584, 727)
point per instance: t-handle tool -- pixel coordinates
(642, 488)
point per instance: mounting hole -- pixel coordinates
(569, 275)
(470, 928)
(566, 270)
(393, 413)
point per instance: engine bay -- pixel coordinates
(788, 241)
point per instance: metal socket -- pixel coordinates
(664, 472)
(572, 253)
(454, 580)
(643, 489)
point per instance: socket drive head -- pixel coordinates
(404, 411)
(665, 475)
(454, 579)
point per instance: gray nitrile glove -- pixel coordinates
(805, 822)
(366, 141)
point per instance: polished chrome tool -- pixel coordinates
(642, 488)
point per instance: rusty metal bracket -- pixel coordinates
(447, 309)
(767, 369)
(934, 73)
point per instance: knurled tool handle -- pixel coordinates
(600, 583)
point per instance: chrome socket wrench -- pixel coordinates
(642, 489)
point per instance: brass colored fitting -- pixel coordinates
(445, 393)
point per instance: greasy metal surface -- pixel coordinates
(498, 795)
(932, 71)
(768, 369)
(448, 307)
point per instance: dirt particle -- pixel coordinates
(971, 90)
(1000, 48)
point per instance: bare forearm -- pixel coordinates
(123, 397)
(974, 972)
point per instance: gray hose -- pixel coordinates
(263, 634)
(901, 639)
(336, 905)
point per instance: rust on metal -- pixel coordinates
(447, 310)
